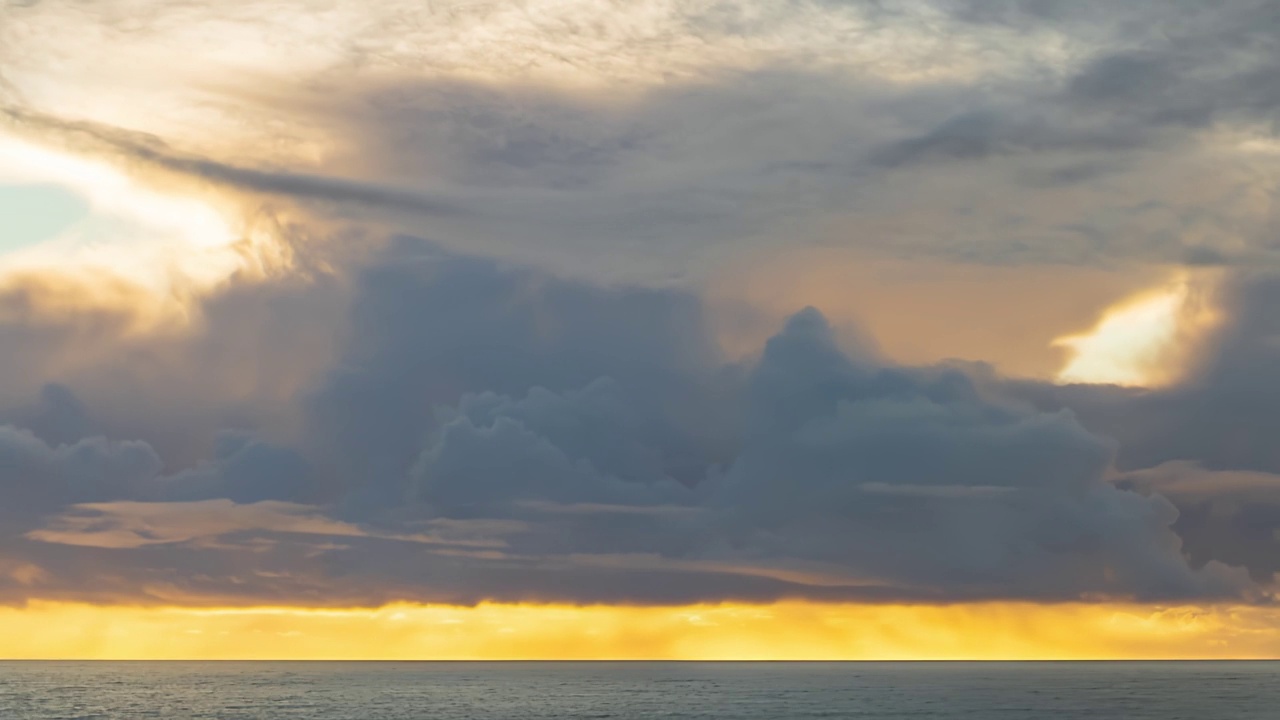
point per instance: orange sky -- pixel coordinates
(786, 631)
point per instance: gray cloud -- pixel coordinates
(603, 452)
(1122, 109)
(1229, 516)
(1207, 443)
(151, 151)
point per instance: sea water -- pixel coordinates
(559, 691)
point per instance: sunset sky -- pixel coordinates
(741, 329)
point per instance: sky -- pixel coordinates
(577, 328)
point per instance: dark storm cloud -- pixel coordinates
(489, 432)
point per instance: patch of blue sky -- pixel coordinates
(34, 214)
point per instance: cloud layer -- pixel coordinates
(662, 137)
(496, 312)
(488, 432)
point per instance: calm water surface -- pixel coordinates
(558, 691)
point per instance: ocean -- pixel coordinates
(624, 690)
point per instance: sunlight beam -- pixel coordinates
(1142, 341)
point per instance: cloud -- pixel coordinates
(1229, 516)
(535, 405)
(1097, 134)
(152, 152)
(127, 525)
(1220, 415)
(39, 478)
(1204, 444)
(489, 432)
(832, 428)
(429, 326)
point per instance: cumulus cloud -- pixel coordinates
(1229, 516)
(602, 451)
(1204, 444)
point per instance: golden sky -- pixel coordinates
(785, 631)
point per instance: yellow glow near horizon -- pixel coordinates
(1141, 341)
(784, 631)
